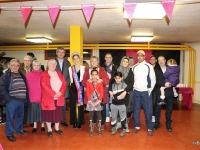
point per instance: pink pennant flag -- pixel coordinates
(129, 8)
(53, 12)
(25, 13)
(1, 148)
(168, 5)
(88, 11)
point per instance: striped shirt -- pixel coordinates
(18, 88)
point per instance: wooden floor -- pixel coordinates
(185, 135)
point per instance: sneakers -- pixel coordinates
(169, 128)
(114, 131)
(162, 102)
(123, 133)
(150, 133)
(119, 125)
(107, 119)
(2, 122)
(135, 130)
(127, 129)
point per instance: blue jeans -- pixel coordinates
(108, 104)
(142, 99)
(14, 117)
(168, 114)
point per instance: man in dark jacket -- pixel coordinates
(63, 66)
(14, 93)
(110, 69)
(160, 82)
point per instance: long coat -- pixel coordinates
(47, 101)
(65, 72)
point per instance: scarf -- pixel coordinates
(108, 69)
(123, 70)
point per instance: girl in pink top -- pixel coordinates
(34, 90)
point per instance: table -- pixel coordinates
(187, 93)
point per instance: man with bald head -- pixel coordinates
(160, 82)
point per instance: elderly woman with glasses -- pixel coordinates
(34, 88)
(53, 87)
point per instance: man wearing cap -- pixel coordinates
(144, 82)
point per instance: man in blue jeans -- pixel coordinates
(169, 94)
(13, 93)
(144, 82)
(110, 69)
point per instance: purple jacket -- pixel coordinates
(172, 75)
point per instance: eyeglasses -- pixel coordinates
(14, 65)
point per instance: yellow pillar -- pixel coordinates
(76, 41)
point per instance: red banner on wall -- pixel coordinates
(133, 53)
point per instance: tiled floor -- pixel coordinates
(186, 131)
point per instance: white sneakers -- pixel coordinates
(107, 119)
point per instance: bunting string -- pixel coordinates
(97, 6)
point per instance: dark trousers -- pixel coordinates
(103, 115)
(14, 117)
(154, 102)
(142, 99)
(168, 113)
(64, 111)
(25, 115)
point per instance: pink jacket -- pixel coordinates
(34, 88)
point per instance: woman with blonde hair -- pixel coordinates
(76, 91)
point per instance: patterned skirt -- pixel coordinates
(90, 107)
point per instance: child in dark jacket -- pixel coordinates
(94, 93)
(118, 104)
(171, 75)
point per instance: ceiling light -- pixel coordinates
(39, 40)
(141, 38)
(85, 52)
(147, 11)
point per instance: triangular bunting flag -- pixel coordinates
(168, 5)
(53, 12)
(129, 8)
(88, 11)
(25, 13)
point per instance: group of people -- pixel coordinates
(33, 95)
